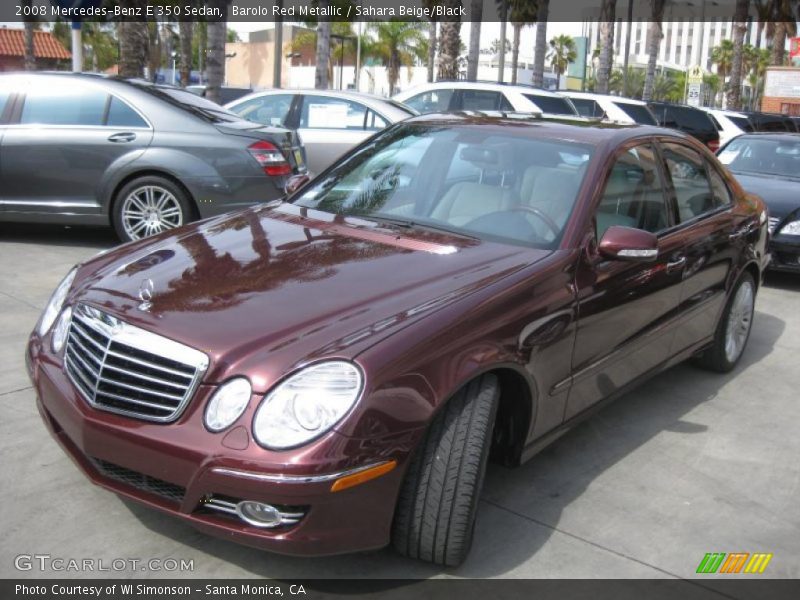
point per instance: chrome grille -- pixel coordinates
(772, 223)
(123, 369)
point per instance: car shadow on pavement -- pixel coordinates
(58, 235)
(521, 508)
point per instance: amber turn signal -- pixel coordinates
(363, 476)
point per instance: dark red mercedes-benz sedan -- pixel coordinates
(331, 373)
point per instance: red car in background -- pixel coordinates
(331, 373)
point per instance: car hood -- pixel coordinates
(782, 195)
(263, 290)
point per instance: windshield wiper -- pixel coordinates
(411, 224)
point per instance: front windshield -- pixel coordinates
(763, 155)
(469, 180)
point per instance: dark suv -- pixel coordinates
(692, 120)
(87, 149)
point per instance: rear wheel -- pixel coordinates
(149, 205)
(734, 328)
(435, 514)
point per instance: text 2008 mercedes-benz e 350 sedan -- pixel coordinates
(331, 373)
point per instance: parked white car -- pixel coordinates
(444, 96)
(329, 122)
(614, 109)
(730, 124)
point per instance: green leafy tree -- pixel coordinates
(396, 44)
(562, 52)
(722, 56)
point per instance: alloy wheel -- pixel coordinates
(149, 210)
(739, 321)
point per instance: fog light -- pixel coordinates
(258, 514)
(61, 329)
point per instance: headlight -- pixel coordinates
(792, 228)
(227, 404)
(307, 404)
(61, 329)
(56, 302)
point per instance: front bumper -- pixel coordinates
(785, 251)
(178, 467)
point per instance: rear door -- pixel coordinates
(330, 126)
(711, 234)
(626, 309)
(54, 156)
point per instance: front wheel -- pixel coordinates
(435, 514)
(734, 328)
(149, 205)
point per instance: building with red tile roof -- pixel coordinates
(50, 53)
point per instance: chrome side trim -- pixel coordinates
(282, 478)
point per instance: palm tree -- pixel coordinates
(722, 56)
(523, 12)
(449, 43)
(654, 35)
(712, 83)
(476, 15)
(785, 25)
(739, 28)
(562, 52)
(540, 49)
(607, 14)
(429, 4)
(398, 43)
(502, 11)
(133, 42)
(30, 26)
(186, 29)
(215, 59)
(761, 60)
(663, 86)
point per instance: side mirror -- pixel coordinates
(294, 183)
(627, 243)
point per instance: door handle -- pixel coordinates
(117, 138)
(742, 232)
(676, 263)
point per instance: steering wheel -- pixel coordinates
(541, 215)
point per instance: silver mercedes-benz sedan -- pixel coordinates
(329, 122)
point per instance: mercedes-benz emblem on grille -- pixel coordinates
(146, 294)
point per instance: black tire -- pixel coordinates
(435, 514)
(182, 202)
(716, 358)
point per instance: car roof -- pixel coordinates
(722, 111)
(482, 85)
(610, 97)
(576, 129)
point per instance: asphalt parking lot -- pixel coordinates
(691, 463)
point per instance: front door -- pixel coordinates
(625, 308)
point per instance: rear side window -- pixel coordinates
(713, 119)
(324, 112)
(693, 119)
(484, 100)
(375, 122)
(551, 104)
(64, 106)
(122, 115)
(638, 112)
(690, 179)
(742, 123)
(587, 108)
(432, 101)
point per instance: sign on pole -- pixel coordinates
(694, 91)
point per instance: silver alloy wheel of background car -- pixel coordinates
(150, 209)
(740, 319)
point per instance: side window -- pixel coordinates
(375, 122)
(719, 189)
(587, 108)
(64, 106)
(687, 169)
(122, 115)
(634, 193)
(323, 112)
(481, 100)
(267, 110)
(429, 102)
(4, 96)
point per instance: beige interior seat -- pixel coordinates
(466, 201)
